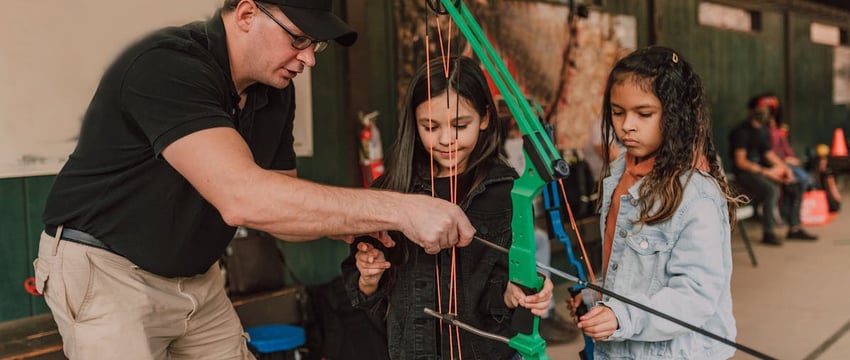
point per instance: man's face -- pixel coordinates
(762, 115)
(276, 60)
(765, 110)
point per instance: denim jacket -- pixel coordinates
(682, 267)
(482, 279)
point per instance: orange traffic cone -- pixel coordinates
(839, 143)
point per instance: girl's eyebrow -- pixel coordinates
(453, 120)
(638, 107)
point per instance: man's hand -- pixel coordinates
(792, 160)
(435, 224)
(779, 174)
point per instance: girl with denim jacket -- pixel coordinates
(665, 209)
(448, 145)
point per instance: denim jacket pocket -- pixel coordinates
(647, 244)
(645, 253)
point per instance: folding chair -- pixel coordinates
(743, 213)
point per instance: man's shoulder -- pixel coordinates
(742, 132)
(742, 126)
(190, 39)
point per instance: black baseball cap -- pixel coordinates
(316, 19)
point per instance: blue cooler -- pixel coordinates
(276, 342)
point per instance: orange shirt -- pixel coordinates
(633, 173)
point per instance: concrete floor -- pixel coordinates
(794, 305)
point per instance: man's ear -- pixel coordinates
(245, 14)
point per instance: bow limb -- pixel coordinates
(543, 165)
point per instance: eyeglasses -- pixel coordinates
(299, 42)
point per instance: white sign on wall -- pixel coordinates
(724, 17)
(824, 34)
(841, 75)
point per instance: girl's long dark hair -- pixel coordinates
(685, 128)
(409, 159)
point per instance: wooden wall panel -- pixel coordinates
(14, 301)
(35, 192)
(346, 81)
(733, 65)
(813, 117)
(21, 205)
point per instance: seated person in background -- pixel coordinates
(760, 172)
(782, 148)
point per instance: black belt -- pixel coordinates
(78, 237)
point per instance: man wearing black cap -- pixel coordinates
(189, 135)
(761, 173)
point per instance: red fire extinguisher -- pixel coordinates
(371, 153)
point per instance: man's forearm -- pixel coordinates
(299, 210)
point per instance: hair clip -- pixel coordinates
(675, 58)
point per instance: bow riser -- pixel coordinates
(522, 261)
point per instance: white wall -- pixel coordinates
(52, 54)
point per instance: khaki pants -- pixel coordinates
(108, 308)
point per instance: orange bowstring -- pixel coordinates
(449, 47)
(453, 183)
(573, 225)
(431, 154)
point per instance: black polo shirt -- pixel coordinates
(755, 140)
(117, 187)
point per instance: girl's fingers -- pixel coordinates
(364, 246)
(379, 266)
(599, 323)
(373, 270)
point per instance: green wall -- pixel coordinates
(733, 65)
(346, 82)
(813, 115)
(780, 58)
(21, 203)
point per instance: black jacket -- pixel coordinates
(482, 279)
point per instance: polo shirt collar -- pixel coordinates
(217, 45)
(217, 42)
